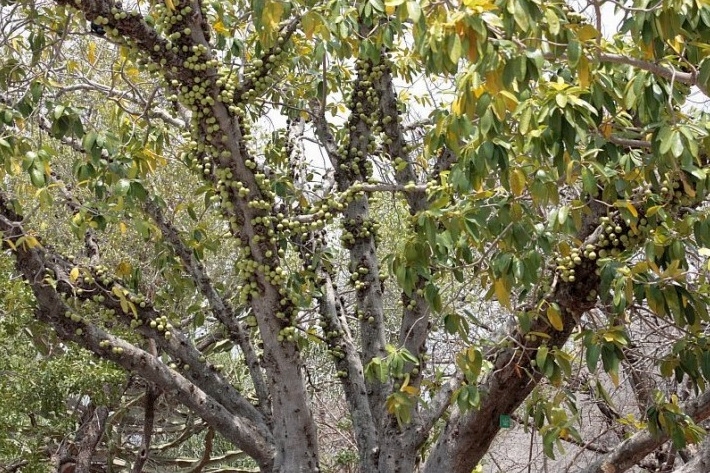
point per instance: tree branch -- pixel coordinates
(241, 422)
(221, 308)
(467, 436)
(688, 78)
(91, 433)
(632, 450)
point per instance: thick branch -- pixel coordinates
(348, 361)
(151, 396)
(466, 437)
(91, 433)
(222, 145)
(700, 463)
(632, 450)
(688, 78)
(221, 308)
(32, 262)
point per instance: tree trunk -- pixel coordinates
(399, 451)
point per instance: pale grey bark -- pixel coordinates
(90, 433)
(632, 450)
(414, 328)
(221, 308)
(700, 463)
(292, 424)
(353, 382)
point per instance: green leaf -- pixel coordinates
(122, 187)
(561, 100)
(553, 22)
(414, 11)
(592, 356)
(574, 52)
(554, 315)
(433, 297)
(58, 111)
(520, 13)
(704, 74)
(455, 48)
(541, 357)
(37, 177)
(705, 364)
(676, 144)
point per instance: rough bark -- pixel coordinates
(91, 432)
(632, 450)
(32, 264)
(466, 437)
(700, 463)
(293, 427)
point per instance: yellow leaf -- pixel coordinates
(405, 383)
(170, 5)
(309, 24)
(688, 189)
(648, 50)
(480, 6)
(587, 32)
(123, 228)
(614, 375)
(583, 72)
(132, 73)
(517, 182)
(605, 128)
(219, 27)
(271, 16)
(479, 91)
(493, 82)
(511, 101)
(555, 317)
(91, 53)
(124, 268)
(502, 293)
(628, 206)
(458, 106)
(131, 306)
(30, 242)
(472, 50)
(704, 251)
(74, 274)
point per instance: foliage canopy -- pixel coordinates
(308, 191)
